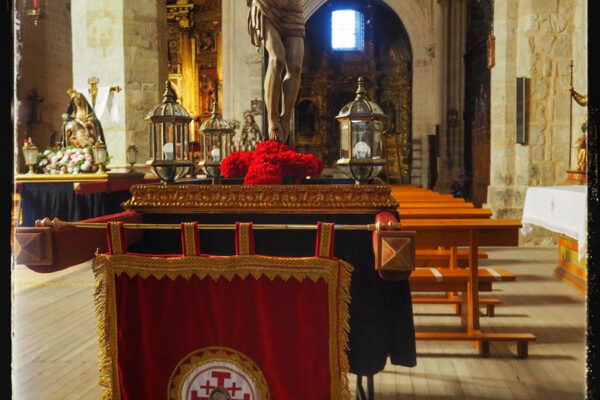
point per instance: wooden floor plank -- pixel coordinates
(55, 339)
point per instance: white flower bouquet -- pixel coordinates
(66, 160)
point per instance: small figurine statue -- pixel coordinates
(250, 134)
(581, 99)
(81, 128)
(582, 150)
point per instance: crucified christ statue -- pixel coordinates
(278, 25)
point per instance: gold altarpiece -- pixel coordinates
(329, 82)
(194, 54)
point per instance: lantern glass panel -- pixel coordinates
(215, 147)
(377, 148)
(361, 139)
(167, 151)
(30, 156)
(131, 155)
(99, 154)
(345, 139)
(152, 138)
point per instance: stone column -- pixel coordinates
(456, 84)
(502, 109)
(123, 43)
(443, 174)
(241, 63)
(535, 39)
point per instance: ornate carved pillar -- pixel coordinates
(180, 16)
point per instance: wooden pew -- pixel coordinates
(433, 204)
(428, 199)
(439, 257)
(471, 233)
(442, 213)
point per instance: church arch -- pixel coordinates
(421, 20)
(329, 78)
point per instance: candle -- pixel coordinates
(35, 4)
(362, 150)
(216, 154)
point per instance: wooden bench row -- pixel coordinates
(442, 222)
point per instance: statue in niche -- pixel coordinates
(278, 25)
(207, 92)
(250, 136)
(80, 127)
(206, 42)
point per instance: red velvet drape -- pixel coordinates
(281, 325)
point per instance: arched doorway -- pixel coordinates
(329, 78)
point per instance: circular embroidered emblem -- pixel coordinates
(217, 373)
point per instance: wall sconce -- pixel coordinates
(30, 152)
(361, 137)
(99, 150)
(35, 12)
(131, 156)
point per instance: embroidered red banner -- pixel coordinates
(244, 327)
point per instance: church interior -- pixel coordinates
(173, 160)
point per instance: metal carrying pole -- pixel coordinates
(59, 224)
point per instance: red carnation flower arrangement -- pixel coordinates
(269, 164)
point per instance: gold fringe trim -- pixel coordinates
(106, 328)
(336, 273)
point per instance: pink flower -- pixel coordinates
(63, 168)
(94, 168)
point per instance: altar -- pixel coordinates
(72, 197)
(562, 209)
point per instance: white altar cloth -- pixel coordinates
(561, 209)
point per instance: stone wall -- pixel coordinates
(536, 39)
(123, 43)
(241, 64)
(43, 62)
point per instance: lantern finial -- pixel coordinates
(215, 110)
(169, 95)
(361, 92)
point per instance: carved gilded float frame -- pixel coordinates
(297, 199)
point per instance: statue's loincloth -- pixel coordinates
(287, 16)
